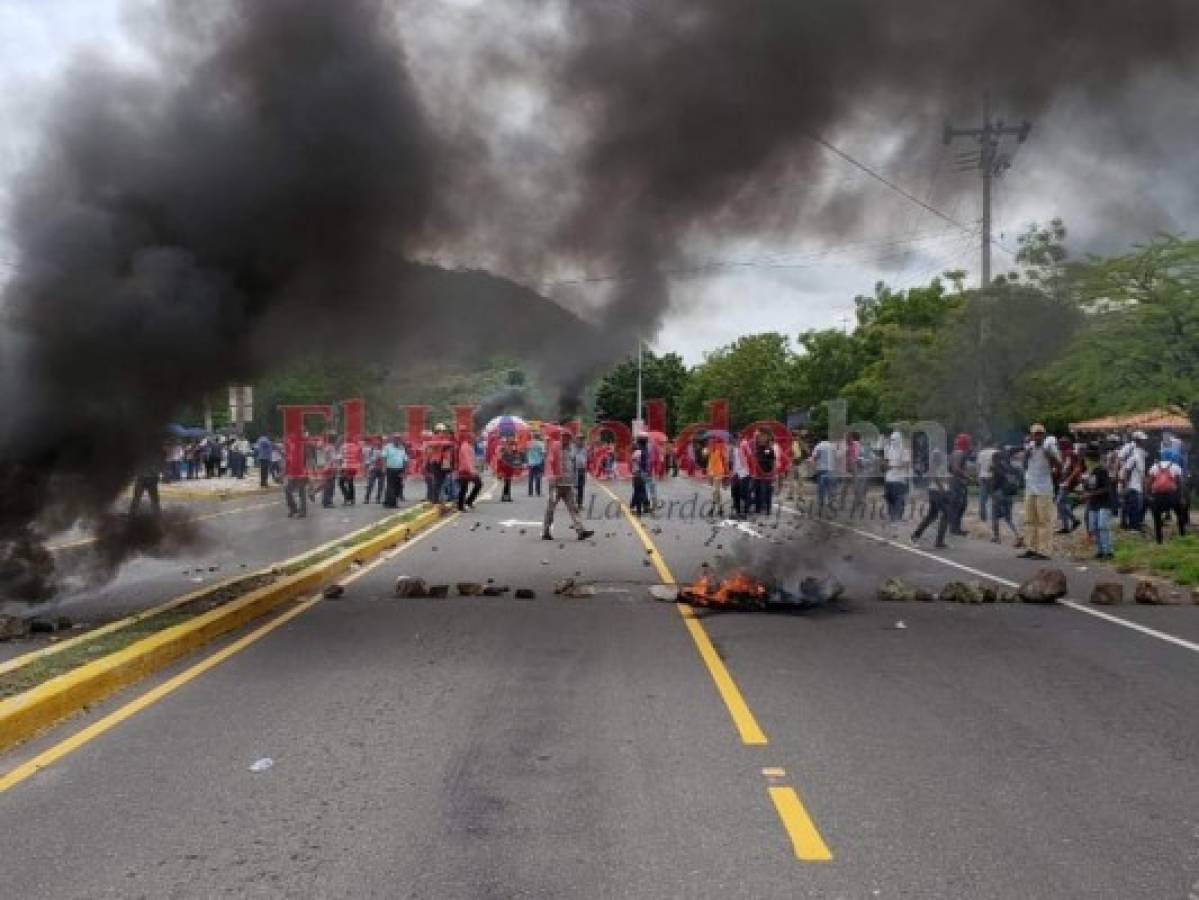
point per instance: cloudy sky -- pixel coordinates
(1084, 167)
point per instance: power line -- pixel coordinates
(802, 261)
(891, 184)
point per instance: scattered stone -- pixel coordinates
(333, 592)
(564, 585)
(1044, 587)
(987, 592)
(12, 627)
(1149, 594)
(1107, 593)
(38, 625)
(524, 531)
(645, 562)
(924, 595)
(545, 562)
(439, 591)
(821, 589)
(894, 590)
(525, 594)
(901, 625)
(434, 548)
(469, 588)
(962, 592)
(492, 591)
(668, 593)
(408, 586)
(1008, 597)
(62, 623)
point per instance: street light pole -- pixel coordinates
(637, 414)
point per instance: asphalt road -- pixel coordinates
(481, 747)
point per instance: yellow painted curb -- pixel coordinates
(26, 714)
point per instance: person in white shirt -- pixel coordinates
(897, 478)
(1165, 483)
(985, 456)
(824, 460)
(1039, 463)
(1132, 483)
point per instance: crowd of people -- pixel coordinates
(1059, 485)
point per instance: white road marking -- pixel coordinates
(1070, 604)
(509, 523)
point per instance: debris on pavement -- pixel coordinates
(924, 595)
(525, 594)
(469, 588)
(38, 625)
(1107, 593)
(1047, 586)
(668, 593)
(409, 586)
(900, 625)
(1149, 593)
(820, 589)
(333, 591)
(495, 590)
(13, 627)
(261, 765)
(895, 590)
(439, 591)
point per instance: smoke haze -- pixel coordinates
(276, 169)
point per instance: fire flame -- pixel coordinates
(708, 590)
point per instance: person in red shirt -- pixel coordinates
(467, 476)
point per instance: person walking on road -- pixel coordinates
(717, 472)
(562, 472)
(896, 479)
(959, 483)
(1040, 462)
(938, 501)
(581, 457)
(295, 487)
(372, 464)
(985, 457)
(263, 449)
(395, 463)
(1005, 485)
(767, 457)
(469, 481)
(535, 458)
(824, 458)
(147, 483)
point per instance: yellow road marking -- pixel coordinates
(116, 717)
(83, 542)
(805, 839)
(747, 726)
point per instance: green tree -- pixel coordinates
(662, 377)
(755, 373)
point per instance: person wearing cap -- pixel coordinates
(1039, 464)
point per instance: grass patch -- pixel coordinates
(341, 546)
(1176, 559)
(52, 665)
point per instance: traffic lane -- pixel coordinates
(977, 735)
(252, 536)
(460, 747)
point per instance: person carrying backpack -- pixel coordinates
(1164, 482)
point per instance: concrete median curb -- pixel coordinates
(26, 714)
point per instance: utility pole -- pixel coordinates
(990, 162)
